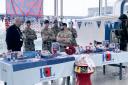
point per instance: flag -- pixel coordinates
(24, 7)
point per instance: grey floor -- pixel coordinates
(111, 77)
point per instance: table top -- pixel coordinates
(34, 62)
(97, 58)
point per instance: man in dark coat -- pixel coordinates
(14, 38)
(123, 32)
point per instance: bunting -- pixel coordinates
(79, 24)
(85, 24)
(98, 23)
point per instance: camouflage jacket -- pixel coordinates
(56, 30)
(74, 36)
(74, 33)
(29, 37)
(47, 34)
(64, 38)
(29, 34)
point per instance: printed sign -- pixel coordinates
(107, 57)
(46, 72)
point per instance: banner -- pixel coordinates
(24, 7)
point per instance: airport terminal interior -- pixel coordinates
(63, 42)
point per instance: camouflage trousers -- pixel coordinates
(29, 46)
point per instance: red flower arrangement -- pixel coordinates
(70, 50)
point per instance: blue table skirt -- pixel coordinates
(29, 62)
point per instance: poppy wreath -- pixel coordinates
(70, 50)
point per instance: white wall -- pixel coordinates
(92, 32)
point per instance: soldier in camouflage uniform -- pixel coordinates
(48, 36)
(55, 28)
(64, 37)
(74, 33)
(29, 37)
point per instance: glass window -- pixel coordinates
(126, 8)
(78, 7)
(48, 7)
(2, 7)
(110, 6)
(111, 2)
(71, 7)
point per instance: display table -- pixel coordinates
(99, 60)
(116, 60)
(32, 71)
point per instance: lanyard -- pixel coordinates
(21, 36)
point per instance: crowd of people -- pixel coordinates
(15, 38)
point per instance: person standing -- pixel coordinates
(48, 36)
(123, 32)
(64, 37)
(74, 33)
(29, 37)
(14, 37)
(55, 28)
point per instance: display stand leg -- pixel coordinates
(120, 73)
(5, 83)
(104, 69)
(68, 80)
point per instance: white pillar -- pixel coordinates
(43, 7)
(106, 5)
(100, 7)
(61, 10)
(56, 8)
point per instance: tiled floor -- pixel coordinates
(111, 77)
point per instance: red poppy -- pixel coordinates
(70, 50)
(108, 57)
(47, 71)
